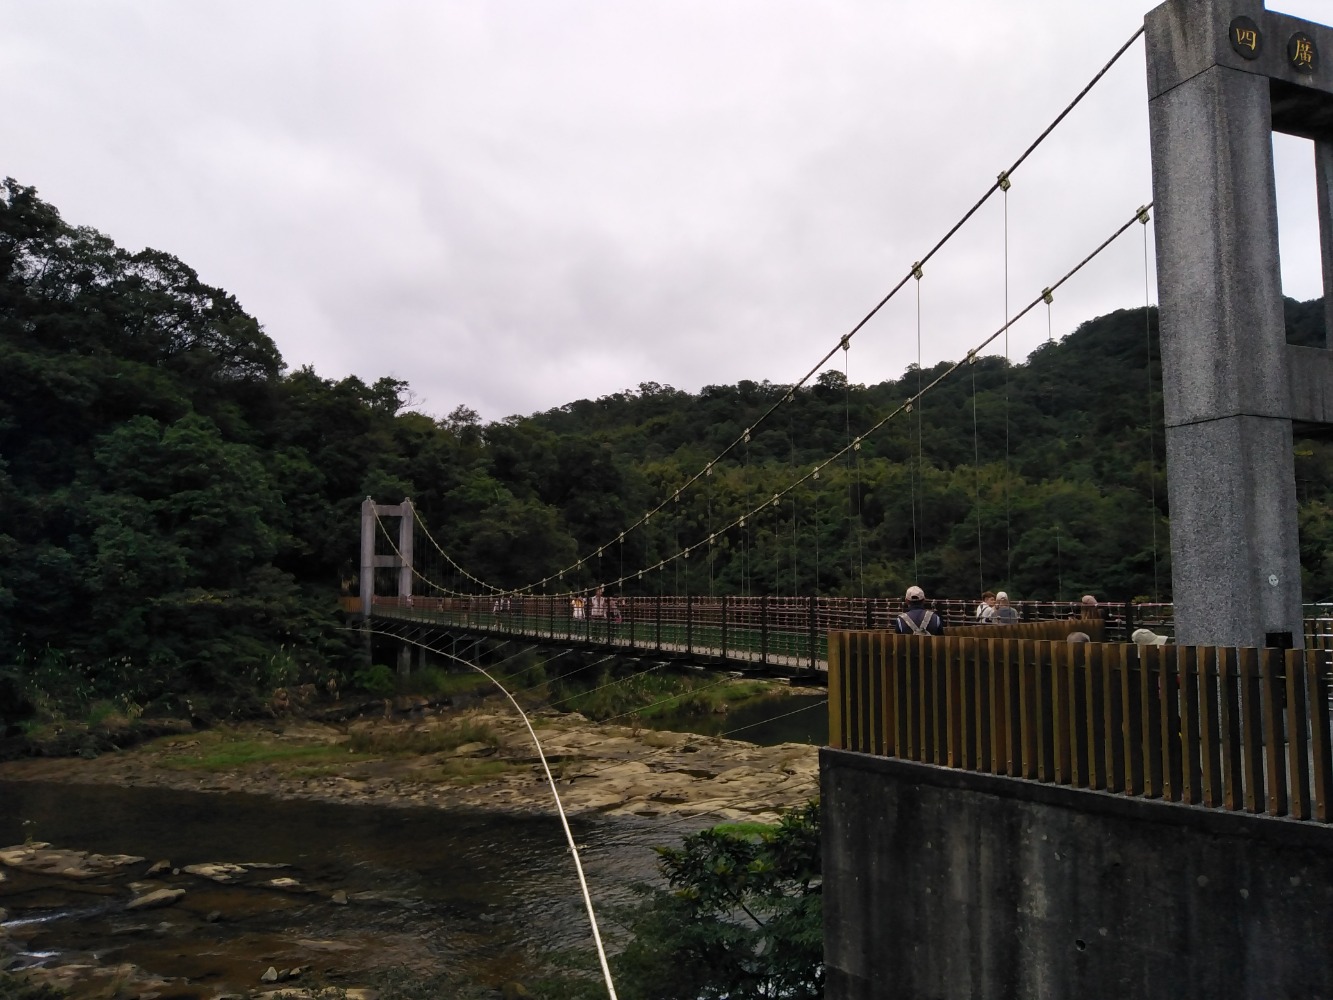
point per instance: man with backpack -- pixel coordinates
(918, 619)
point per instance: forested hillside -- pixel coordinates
(178, 510)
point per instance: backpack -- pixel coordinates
(913, 627)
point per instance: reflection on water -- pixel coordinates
(765, 721)
(479, 888)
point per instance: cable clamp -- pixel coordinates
(740, 523)
(1047, 296)
(1143, 214)
(747, 435)
(708, 469)
(710, 539)
(685, 554)
(917, 273)
(1003, 180)
(856, 445)
(677, 496)
(789, 397)
(846, 342)
(776, 499)
(816, 472)
(972, 356)
(908, 407)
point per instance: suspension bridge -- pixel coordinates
(1232, 391)
(957, 762)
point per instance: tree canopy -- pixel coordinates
(178, 509)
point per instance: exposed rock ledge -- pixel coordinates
(611, 770)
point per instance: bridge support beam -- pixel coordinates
(1221, 78)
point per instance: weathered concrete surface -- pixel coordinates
(1227, 371)
(944, 884)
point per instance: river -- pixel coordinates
(483, 894)
(491, 896)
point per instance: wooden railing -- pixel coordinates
(1237, 729)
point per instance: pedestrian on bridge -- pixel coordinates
(986, 608)
(918, 619)
(1004, 614)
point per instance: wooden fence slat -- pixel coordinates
(836, 659)
(1025, 661)
(887, 695)
(1228, 716)
(1168, 707)
(1095, 708)
(1251, 734)
(1210, 760)
(1131, 714)
(1061, 729)
(912, 671)
(902, 688)
(999, 711)
(1321, 763)
(1187, 660)
(1150, 719)
(1272, 688)
(1080, 757)
(952, 685)
(983, 698)
(1298, 746)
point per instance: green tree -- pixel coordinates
(742, 917)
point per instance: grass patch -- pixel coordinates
(657, 694)
(237, 753)
(423, 741)
(465, 771)
(748, 829)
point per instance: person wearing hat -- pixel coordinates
(1147, 637)
(918, 619)
(1004, 614)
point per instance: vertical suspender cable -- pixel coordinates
(1059, 568)
(976, 473)
(1008, 540)
(1152, 417)
(916, 476)
(795, 569)
(847, 464)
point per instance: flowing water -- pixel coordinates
(480, 893)
(488, 895)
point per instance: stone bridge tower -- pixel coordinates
(1223, 75)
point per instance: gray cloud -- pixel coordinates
(513, 205)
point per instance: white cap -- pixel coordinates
(1002, 596)
(915, 594)
(1088, 599)
(1147, 637)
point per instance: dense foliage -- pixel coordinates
(178, 511)
(741, 917)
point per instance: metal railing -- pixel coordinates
(788, 632)
(1223, 728)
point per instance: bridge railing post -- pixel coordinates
(689, 623)
(813, 630)
(763, 629)
(724, 627)
(658, 639)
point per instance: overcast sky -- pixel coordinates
(512, 205)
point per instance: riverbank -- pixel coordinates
(480, 758)
(651, 787)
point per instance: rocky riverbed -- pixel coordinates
(479, 761)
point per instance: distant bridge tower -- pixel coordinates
(1223, 75)
(370, 511)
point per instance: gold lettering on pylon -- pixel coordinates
(1302, 53)
(1247, 38)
